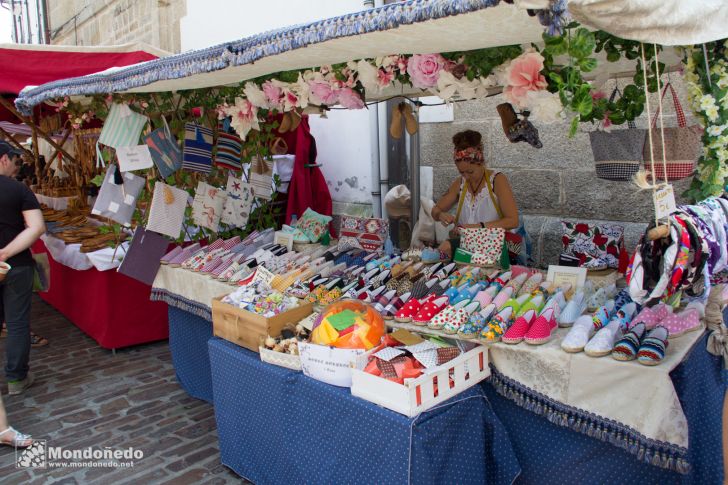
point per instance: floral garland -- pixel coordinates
(707, 88)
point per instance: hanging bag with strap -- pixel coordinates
(682, 144)
(617, 154)
(165, 151)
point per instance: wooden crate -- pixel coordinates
(245, 328)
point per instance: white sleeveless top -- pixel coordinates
(479, 208)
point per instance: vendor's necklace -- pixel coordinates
(474, 190)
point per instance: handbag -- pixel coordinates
(142, 259)
(165, 151)
(683, 145)
(486, 244)
(595, 246)
(122, 128)
(365, 233)
(197, 152)
(617, 154)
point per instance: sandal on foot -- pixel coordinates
(19, 440)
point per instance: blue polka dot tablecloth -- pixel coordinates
(188, 336)
(552, 454)
(279, 426)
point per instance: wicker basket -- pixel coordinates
(289, 361)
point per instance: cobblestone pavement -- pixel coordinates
(86, 396)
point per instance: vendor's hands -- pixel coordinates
(446, 218)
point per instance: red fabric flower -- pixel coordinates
(565, 240)
(582, 228)
(582, 258)
(613, 250)
(600, 239)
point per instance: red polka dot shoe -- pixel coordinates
(429, 310)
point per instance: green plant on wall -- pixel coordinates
(707, 86)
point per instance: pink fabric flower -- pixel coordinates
(402, 64)
(272, 94)
(291, 98)
(424, 69)
(524, 75)
(350, 99)
(384, 77)
(323, 93)
(595, 95)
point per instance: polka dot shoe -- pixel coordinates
(410, 309)
(517, 331)
(429, 310)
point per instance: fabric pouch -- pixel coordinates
(122, 128)
(142, 259)
(165, 151)
(197, 153)
(229, 151)
(363, 233)
(117, 202)
(207, 206)
(167, 211)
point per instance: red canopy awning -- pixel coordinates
(33, 65)
(36, 64)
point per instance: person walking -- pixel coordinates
(21, 224)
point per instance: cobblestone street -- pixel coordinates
(86, 396)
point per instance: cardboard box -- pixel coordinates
(245, 328)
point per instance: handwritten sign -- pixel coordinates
(262, 274)
(664, 199)
(134, 158)
(284, 239)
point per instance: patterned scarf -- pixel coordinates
(470, 154)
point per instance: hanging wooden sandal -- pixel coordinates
(395, 127)
(410, 122)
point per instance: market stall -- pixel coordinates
(408, 342)
(120, 314)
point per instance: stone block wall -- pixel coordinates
(113, 22)
(556, 180)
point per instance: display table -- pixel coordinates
(552, 451)
(111, 308)
(279, 426)
(189, 296)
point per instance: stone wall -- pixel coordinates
(556, 180)
(113, 22)
(553, 183)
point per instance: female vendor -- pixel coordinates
(482, 197)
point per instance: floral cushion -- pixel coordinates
(313, 225)
(596, 246)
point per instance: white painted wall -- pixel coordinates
(343, 140)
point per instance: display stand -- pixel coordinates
(550, 453)
(111, 308)
(279, 426)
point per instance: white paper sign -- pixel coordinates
(134, 158)
(328, 364)
(262, 274)
(664, 199)
(560, 275)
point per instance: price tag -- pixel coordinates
(262, 274)
(664, 199)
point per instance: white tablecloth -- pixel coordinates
(70, 255)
